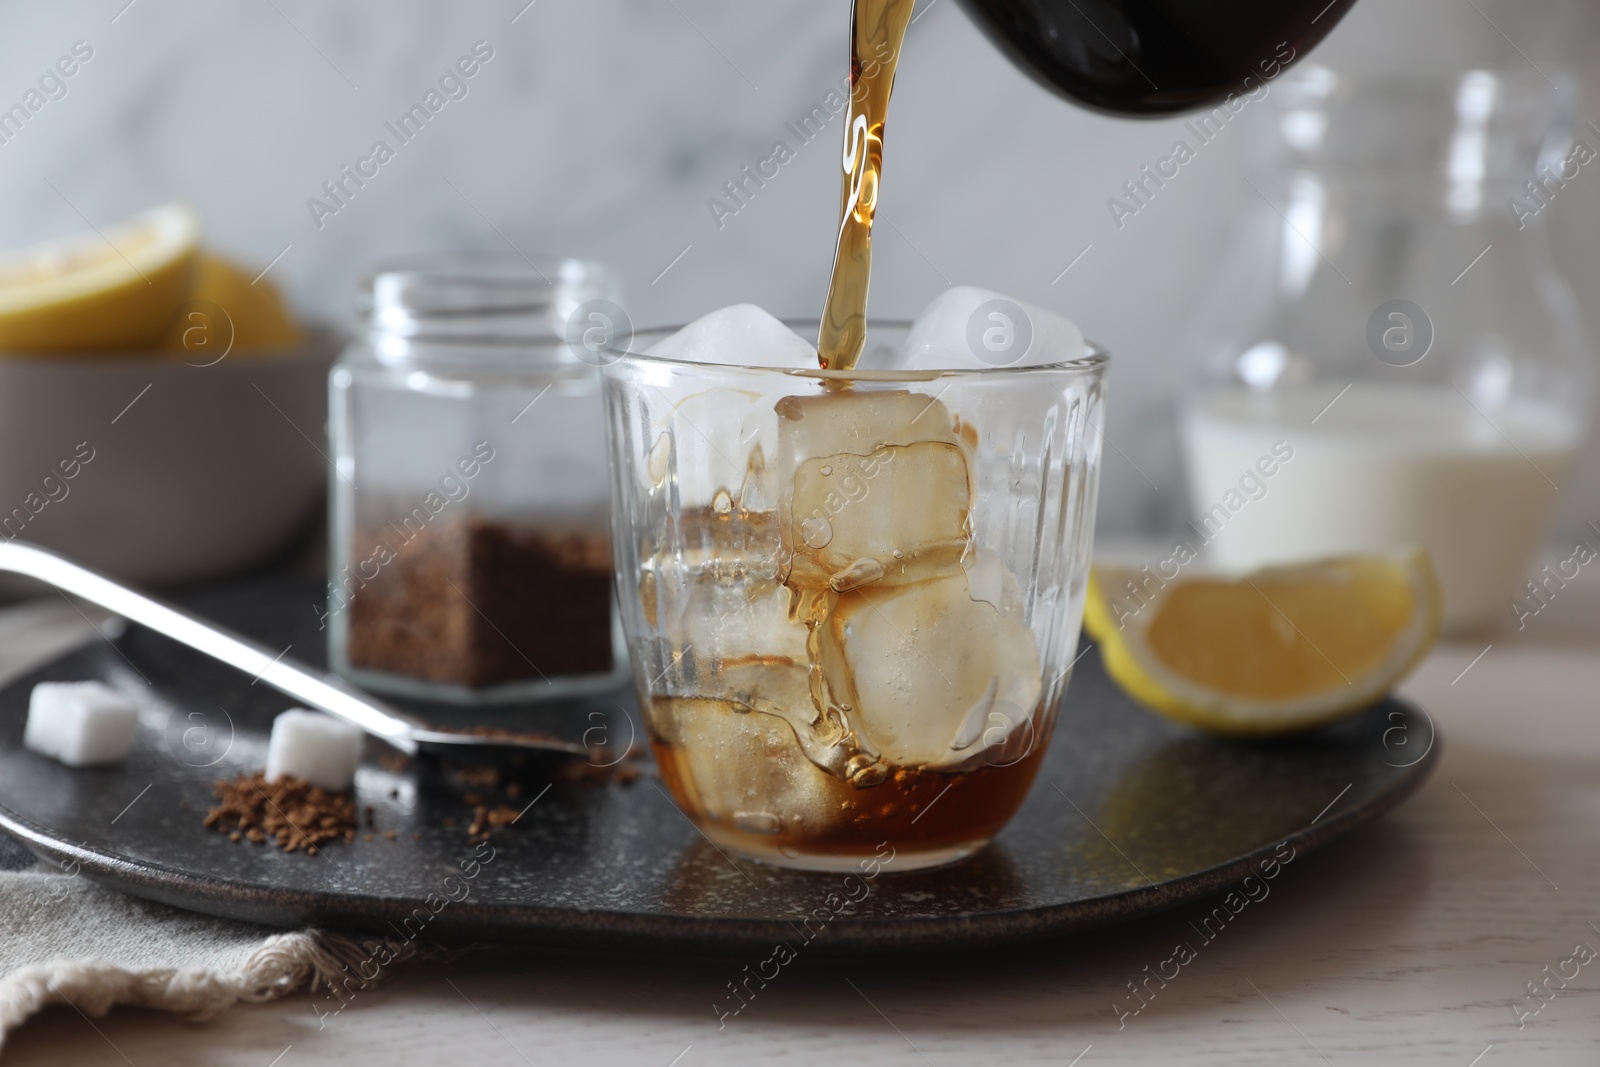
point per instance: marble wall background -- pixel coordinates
(601, 127)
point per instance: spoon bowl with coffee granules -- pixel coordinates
(323, 692)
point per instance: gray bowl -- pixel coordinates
(158, 468)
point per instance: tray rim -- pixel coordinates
(281, 908)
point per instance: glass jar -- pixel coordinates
(1390, 335)
(470, 556)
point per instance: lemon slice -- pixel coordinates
(1279, 650)
(230, 309)
(120, 288)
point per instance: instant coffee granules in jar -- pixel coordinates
(471, 555)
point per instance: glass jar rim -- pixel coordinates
(1094, 360)
(478, 297)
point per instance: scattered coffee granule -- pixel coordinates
(575, 773)
(485, 819)
(478, 775)
(479, 603)
(624, 771)
(395, 762)
(294, 814)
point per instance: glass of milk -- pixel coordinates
(1395, 345)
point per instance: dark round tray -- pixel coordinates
(1130, 815)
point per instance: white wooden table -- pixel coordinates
(1413, 941)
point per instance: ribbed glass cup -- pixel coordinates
(846, 594)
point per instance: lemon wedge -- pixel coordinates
(118, 288)
(253, 315)
(1283, 649)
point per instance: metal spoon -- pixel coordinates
(325, 692)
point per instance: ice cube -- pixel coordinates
(743, 768)
(967, 328)
(729, 635)
(923, 667)
(314, 748)
(82, 724)
(880, 489)
(742, 335)
(714, 622)
(719, 438)
(859, 422)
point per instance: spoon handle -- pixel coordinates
(325, 692)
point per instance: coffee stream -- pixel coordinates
(877, 30)
(1134, 57)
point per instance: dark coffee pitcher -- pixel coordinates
(1155, 57)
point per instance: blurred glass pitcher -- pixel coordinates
(1391, 317)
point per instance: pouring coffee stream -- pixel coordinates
(1126, 57)
(877, 32)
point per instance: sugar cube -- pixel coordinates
(82, 724)
(314, 748)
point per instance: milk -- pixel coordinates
(1385, 467)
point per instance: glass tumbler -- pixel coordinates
(847, 594)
